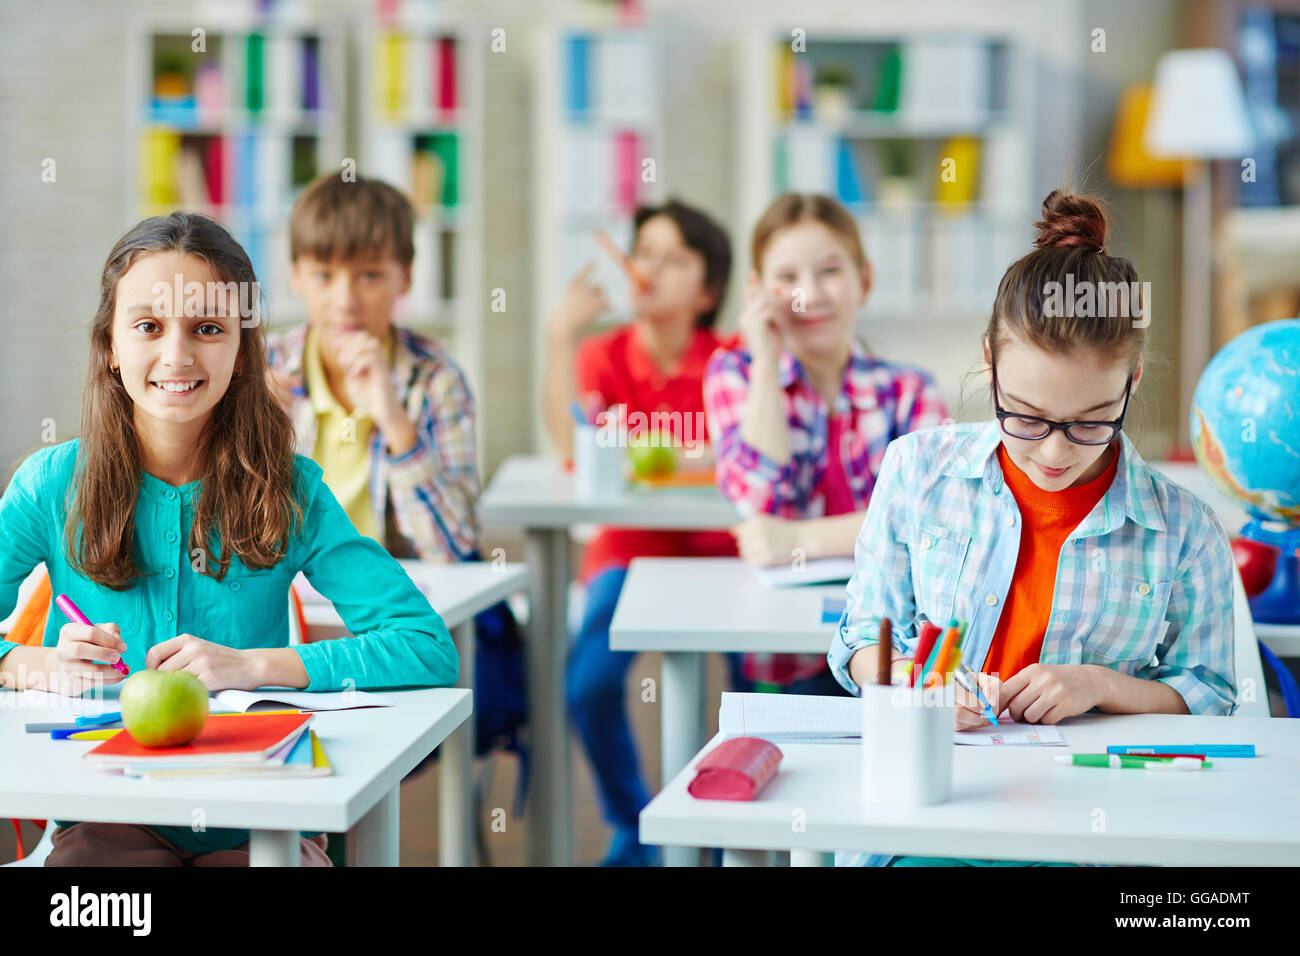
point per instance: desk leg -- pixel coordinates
(456, 770)
(378, 833)
(744, 858)
(550, 825)
(274, 848)
(681, 712)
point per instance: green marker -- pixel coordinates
(1116, 762)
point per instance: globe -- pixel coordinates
(1245, 427)
(1245, 423)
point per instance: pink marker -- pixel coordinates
(74, 614)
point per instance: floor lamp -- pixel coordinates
(1197, 113)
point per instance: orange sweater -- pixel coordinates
(1049, 517)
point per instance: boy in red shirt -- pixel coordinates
(654, 364)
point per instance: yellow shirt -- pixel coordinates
(342, 442)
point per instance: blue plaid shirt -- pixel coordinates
(1143, 585)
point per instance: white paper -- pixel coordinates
(794, 718)
(817, 571)
(239, 701)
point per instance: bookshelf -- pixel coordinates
(421, 130)
(598, 118)
(233, 122)
(871, 118)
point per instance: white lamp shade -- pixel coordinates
(1197, 108)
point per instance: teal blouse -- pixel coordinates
(399, 640)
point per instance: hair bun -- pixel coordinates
(1070, 220)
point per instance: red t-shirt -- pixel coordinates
(615, 366)
(1049, 517)
(834, 486)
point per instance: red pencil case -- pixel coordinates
(737, 769)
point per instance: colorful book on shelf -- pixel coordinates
(214, 169)
(955, 188)
(254, 53)
(627, 170)
(311, 91)
(389, 78)
(848, 185)
(445, 83)
(159, 150)
(577, 50)
(888, 80)
(224, 740)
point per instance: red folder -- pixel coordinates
(737, 769)
(226, 739)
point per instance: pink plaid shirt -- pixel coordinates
(880, 401)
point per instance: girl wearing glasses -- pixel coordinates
(1088, 580)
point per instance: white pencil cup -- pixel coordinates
(907, 745)
(597, 468)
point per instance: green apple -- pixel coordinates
(652, 456)
(163, 708)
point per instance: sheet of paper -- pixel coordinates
(59, 707)
(1008, 733)
(794, 718)
(817, 571)
(240, 701)
(790, 717)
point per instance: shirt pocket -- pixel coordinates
(248, 608)
(1129, 624)
(937, 559)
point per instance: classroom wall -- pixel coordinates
(62, 95)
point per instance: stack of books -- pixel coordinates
(231, 745)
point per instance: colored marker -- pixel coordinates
(622, 261)
(576, 411)
(938, 668)
(884, 653)
(1184, 750)
(924, 645)
(90, 733)
(74, 613)
(114, 717)
(970, 682)
(1116, 762)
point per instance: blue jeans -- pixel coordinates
(595, 678)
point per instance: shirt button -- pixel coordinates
(170, 536)
(171, 492)
(234, 585)
(926, 542)
(991, 600)
(1144, 588)
(1011, 520)
(167, 616)
(170, 572)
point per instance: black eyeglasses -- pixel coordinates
(1031, 428)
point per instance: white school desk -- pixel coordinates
(688, 607)
(535, 493)
(371, 750)
(457, 592)
(1017, 803)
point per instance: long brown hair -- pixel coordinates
(248, 504)
(1071, 244)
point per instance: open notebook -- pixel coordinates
(816, 571)
(794, 718)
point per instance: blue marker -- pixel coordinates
(966, 677)
(1215, 750)
(576, 411)
(109, 718)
